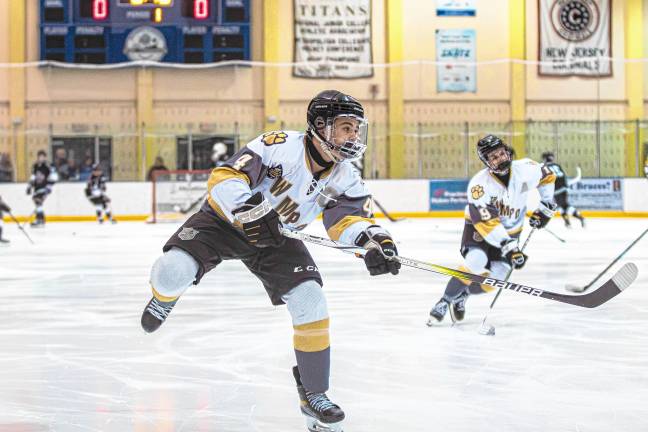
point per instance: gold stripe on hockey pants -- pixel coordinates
(312, 337)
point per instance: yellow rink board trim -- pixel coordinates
(431, 214)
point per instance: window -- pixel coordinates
(202, 148)
(73, 156)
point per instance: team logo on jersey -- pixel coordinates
(188, 234)
(274, 137)
(477, 237)
(477, 191)
(275, 172)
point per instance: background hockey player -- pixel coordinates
(497, 198)
(283, 178)
(95, 190)
(40, 186)
(3, 208)
(219, 154)
(561, 192)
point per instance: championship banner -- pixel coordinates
(454, 47)
(575, 38)
(455, 7)
(332, 37)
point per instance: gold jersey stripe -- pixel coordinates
(335, 231)
(485, 228)
(312, 337)
(551, 178)
(219, 175)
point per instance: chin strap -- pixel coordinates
(314, 154)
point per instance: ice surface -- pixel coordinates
(74, 357)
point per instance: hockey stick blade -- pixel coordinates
(620, 281)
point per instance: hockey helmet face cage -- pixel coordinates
(494, 154)
(338, 122)
(548, 156)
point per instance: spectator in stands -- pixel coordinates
(61, 164)
(6, 170)
(86, 169)
(158, 165)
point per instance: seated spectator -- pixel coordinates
(61, 164)
(86, 169)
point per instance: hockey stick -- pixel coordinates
(576, 288)
(560, 239)
(20, 227)
(620, 281)
(385, 212)
(575, 179)
(490, 330)
(193, 204)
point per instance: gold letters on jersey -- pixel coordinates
(274, 137)
(477, 191)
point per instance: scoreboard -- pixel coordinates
(115, 31)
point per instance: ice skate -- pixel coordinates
(581, 219)
(321, 414)
(458, 308)
(438, 312)
(155, 313)
(4, 242)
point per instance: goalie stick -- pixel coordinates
(620, 281)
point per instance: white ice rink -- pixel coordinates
(74, 358)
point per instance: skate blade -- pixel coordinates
(317, 426)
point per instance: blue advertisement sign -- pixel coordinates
(455, 8)
(448, 194)
(597, 194)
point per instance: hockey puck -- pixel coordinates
(574, 288)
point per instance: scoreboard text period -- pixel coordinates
(115, 31)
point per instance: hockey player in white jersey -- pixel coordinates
(283, 178)
(497, 198)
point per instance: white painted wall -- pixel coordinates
(635, 195)
(68, 199)
(134, 198)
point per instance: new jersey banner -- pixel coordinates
(334, 38)
(454, 47)
(575, 37)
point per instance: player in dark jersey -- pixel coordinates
(95, 190)
(3, 208)
(562, 190)
(40, 186)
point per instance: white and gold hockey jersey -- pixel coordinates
(276, 164)
(498, 211)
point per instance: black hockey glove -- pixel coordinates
(380, 246)
(260, 221)
(543, 214)
(512, 253)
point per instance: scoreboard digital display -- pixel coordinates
(115, 31)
